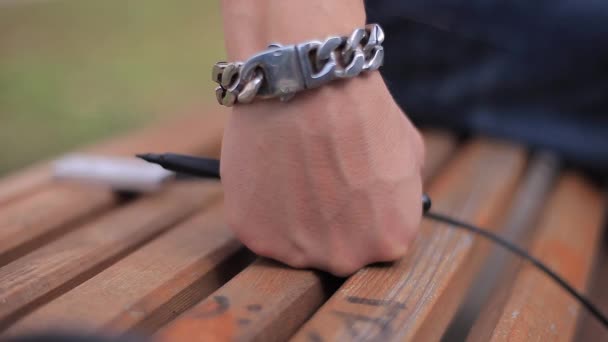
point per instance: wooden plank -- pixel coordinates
(151, 286)
(416, 297)
(266, 301)
(49, 271)
(37, 219)
(500, 266)
(440, 146)
(23, 182)
(46, 215)
(537, 308)
(198, 132)
(589, 328)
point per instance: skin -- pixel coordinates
(331, 179)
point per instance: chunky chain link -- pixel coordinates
(281, 71)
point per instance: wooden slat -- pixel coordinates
(416, 297)
(23, 182)
(537, 308)
(46, 215)
(197, 133)
(36, 219)
(267, 301)
(193, 133)
(440, 146)
(520, 221)
(49, 271)
(151, 286)
(589, 328)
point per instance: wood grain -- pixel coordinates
(589, 328)
(55, 207)
(267, 301)
(59, 266)
(440, 147)
(151, 286)
(23, 182)
(537, 308)
(500, 266)
(416, 297)
(46, 215)
(198, 131)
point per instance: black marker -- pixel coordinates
(182, 164)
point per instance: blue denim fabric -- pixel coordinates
(532, 71)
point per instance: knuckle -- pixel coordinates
(233, 222)
(253, 239)
(407, 236)
(340, 258)
(296, 259)
(391, 252)
(343, 267)
(411, 226)
(258, 247)
(391, 247)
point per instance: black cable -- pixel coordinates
(523, 254)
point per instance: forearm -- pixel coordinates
(250, 25)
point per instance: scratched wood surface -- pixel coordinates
(414, 299)
(440, 146)
(165, 265)
(589, 328)
(37, 217)
(51, 270)
(567, 241)
(149, 287)
(519, 225)
(284, 298)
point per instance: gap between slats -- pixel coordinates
(518, 227)
(529, 305)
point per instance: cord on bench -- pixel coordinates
(525, 255)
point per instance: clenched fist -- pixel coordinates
(330, 180)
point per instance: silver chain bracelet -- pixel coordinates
(281, 71)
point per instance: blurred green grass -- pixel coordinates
(74, 71)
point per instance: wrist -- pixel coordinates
(250, 25)
(330, 111)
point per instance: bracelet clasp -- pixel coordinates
(282, 72)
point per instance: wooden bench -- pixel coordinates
(80, 257)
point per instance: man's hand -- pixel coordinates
(330, 180)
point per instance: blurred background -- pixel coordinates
(75, 71)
